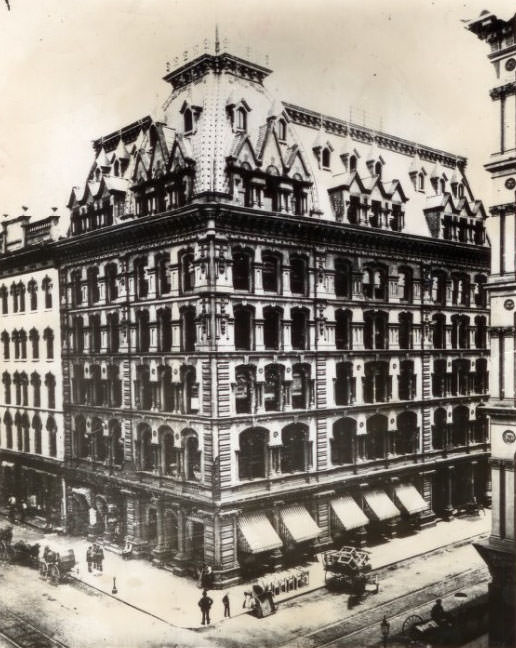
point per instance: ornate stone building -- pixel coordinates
(499, 550)
(31, 406)
(275, 330)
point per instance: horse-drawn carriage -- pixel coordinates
(349, 567)
(56, 567)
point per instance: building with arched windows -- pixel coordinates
(270, 331)
(31, 395)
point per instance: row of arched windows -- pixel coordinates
(19, 343)
(460, 381)
(20, 382)
(23, 435)
(460, 431)
(18, 292)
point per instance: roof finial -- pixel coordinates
(217, 41)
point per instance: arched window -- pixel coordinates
(95, 334)
(164, 330)
(460, 426)
(244, 389)
(439, 429)
(298, 275)
(377, 383)
(344, 384)
(460, 289)
(4, 300)
(299, 328)
(295, 449)
(36, 425)
(142, 331)
(439, 287)
(405, 438)
(93, 285)
(480, 332)
(8, 422)
(188, 120)
(110, 274)
(190, 390)
(480, 427)
(192, 456)
(5, 343)
(147, 458)
(143, 388)
(21, 297)
(271, 327)
(270, 272)
(78, 334)
(344, 431)
(343, 330)
(48, 336)
(52, 437)
(481, 376)
(407, 380)
(405, 284)
(187, 271)
(440, 379)
(81, 446)
(460, 378)
(480, 291)
(374, 283)
(50, 383)
(170, 455)
(460, 332)
(34, 340)
(405, 330)
(243, 327)
(439, 331)
(273, 388)
(24, 385)
(188, 329)
(22, 337)
(342, 278)
(141, 283)
(116, 442)
(300, 390)
(32, 288)
(374, 441)
(325, 158)
(252, 456)
(35, 381)
(76, 290)
(375, 330)
(113, 332)
(241, 270)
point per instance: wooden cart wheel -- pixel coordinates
(53, 574)
(410, 622)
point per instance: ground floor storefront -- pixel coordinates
(248, 539)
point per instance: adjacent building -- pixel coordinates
(499, 550)
(274, 331)
(31, 394)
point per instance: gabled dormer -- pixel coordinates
(323, 150)
(191, 114)
(374, 160)
(238, 112)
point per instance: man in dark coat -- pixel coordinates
(225, 602)
(205, 603)
(99, 557)
(89, 557)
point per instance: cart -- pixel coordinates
(23, 553)
(55, 567)
(349, 567)
(427, 631)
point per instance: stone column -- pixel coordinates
(449, 510)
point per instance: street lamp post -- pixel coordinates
(385, 627)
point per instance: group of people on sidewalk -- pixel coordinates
(205, 603)
(95, 558)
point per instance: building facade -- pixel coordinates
(31, 397)
(499, 550)
(274, 331)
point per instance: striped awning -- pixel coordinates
(256, 534)
(380, 505)
(297, 524)
(410, 499)
(348, 513)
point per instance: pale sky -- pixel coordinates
(73, 71)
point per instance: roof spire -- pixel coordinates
(217, 41)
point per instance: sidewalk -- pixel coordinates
(173, 599)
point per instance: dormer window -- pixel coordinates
(282, 130)
(188, 120)
(241, 119)
(461, 190)
(116, 168)
(421, 181)
(443, 185)
(97, 174)
(378, 169)
(325, 158)
(352, 163)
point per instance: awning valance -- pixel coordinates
(256, 533)
(380, 505)
(348, 513)
(297, 524)
(410, 499)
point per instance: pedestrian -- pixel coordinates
(89, 557)
(100, 557)
(385, 627)
(225, 602)
(23, 511)
(439, 615)
(12, 509)
(205, 603)
(127, 550)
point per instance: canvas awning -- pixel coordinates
(348, 513)
(297, 524)
(381, 506)
(7, 464)
(256, 533)
(410, 499)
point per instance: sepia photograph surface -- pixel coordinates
(257, 323)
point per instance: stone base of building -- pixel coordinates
(427, 519)
(226, 577)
